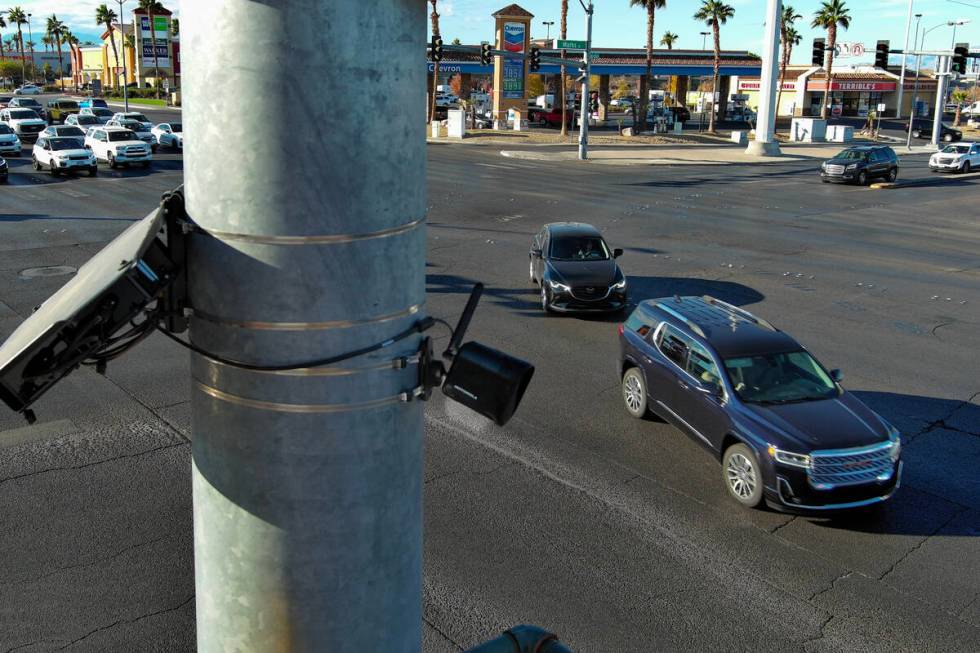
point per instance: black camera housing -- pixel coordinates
(487, 381)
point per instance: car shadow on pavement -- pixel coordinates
(940, 483)
(27, 217)
(525, 300)
(728, 177)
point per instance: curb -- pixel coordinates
(144, 107)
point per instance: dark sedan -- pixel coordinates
(576, 270)
(923, 129)
(860, 164)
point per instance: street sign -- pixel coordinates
(845, 50)
(566, 44)
(593, 56)
(881, 107)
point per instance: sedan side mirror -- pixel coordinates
(617, 252)
(536, 252)
(836, 375)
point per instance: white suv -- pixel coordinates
(956, 157)
(142, 131)
(24, 122)
(116, 145)
(9, 143)
(63, 154)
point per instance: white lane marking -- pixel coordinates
(492, 165)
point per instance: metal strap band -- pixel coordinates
(331, 239)
(328, 371)
(298, 408)
(306, 326)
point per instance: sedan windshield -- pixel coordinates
(956, 149)
(122, 136)
(853, 155)
(137, 116)
(782, 378)
(69, 130)
(5, 128)
(98, 111)
(131, 124)
(176, 127)
(22, 114)
(578, 248)
(86, 120)
(66, 144)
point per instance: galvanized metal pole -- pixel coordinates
(765, 143)
(122, 39)
(583, 105)
(901, 79)
(943, 67)
(306, 484)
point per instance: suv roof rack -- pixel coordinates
(741, 312)
(683, 318)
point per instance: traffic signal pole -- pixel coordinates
(943, 65)
(583, 105)
(765, 143)
(307, 482)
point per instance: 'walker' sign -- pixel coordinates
(845, 50)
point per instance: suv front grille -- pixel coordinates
(851, 467)
(834, 169)
(31, 129)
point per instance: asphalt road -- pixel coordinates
(615, 533)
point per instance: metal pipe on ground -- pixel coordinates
(306, 483)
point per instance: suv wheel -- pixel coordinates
(530, 271)
(862, 179)
(742, 475)
(966, 167)
(916, 133)
(635, 392)
(893, 174)
(110, 157)
(35, 163)
(545, 300)
(947, 138)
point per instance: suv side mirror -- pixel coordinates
(617, 252)
(836, 375)
(536, 252)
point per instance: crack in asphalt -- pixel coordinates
(98, 462)
(941, 423)
(20, 646)
(98, 561)
(919, 544)
(442, 634)
(119, 622)
(463, 471)
(820, 632)
(846, 574)
(783, 525)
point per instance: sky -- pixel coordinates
(616, 24)
(79, 15)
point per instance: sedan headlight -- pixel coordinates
(559, 286)
(853, 166)
(789, 458)
(619, 285)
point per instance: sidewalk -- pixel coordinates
(691, 154)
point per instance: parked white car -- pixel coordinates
(142, 131)
(118, 145)
(83, 120)
(63, 154)
(169, 134)
(104, 115)
(64, 130)
(28, 89)
(971, 110)
(956, 157)
(9, 143)
(24, 122)
(133, 115)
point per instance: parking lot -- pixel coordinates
(614, 532)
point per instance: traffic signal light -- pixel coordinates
(594, 104)
(881, 55)
(485, 55)
(959, 57)
(535, 61)
(436, 47)
(818, 51)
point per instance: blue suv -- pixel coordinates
(781, 425)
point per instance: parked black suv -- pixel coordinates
(782, 426)
(576, 269)
(860, 163)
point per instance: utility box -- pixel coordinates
(840, 134)
(808, 130)
(457, 123)
(740, 137)
(678, 127)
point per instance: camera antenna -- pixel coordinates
(464, 322)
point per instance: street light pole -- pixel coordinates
(307, 484)
(915, 90)
(30, 39)
(122, 43)
(901, 79)
(548, 24)
(584, 111)
(704, 37)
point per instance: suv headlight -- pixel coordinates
(896, 437)
(789, 458)
(853, 166)
(559, 286)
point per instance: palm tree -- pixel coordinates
(563, 32)
(175, 27)
(3, 23)
(959, 96)
(789, 37)
(651, 6)
(435, 64)
(831, 15)
(56, 30)
(715, 13)
(47, 41)
(17, 17)
(151, 7)
(668, 40)
(105, 16)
